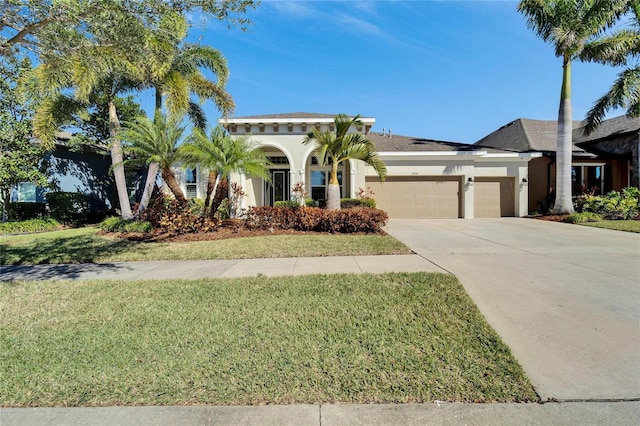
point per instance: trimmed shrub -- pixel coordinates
(286, 204)
(349, 203)
(583, 217)
(28, 226)
(117, 224)
(315, 219)
(69, 207)
(25, 211)
(196, 206)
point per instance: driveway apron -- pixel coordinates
(565, 298)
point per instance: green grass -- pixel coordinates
(84, 245)
(617, 225)
(313, 339)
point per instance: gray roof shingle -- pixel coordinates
(526, 135)
(399, 143)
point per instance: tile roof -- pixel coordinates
(399, 143)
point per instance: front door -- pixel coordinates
(278, 188)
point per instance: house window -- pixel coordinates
(278, 160)
(320, 183)
(191, 183)
(26, 192)
(587, 178)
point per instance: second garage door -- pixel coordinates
(417, 197)
(494, 197)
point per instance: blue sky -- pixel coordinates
(447, 70)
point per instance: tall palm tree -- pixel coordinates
(156, 141)
(54, 78)
(335, 148)
(223, 154)
(112, 66)
(178, 77)
(570, 26)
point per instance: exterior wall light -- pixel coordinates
(470, 180)
(525, 180)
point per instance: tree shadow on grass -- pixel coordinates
(60, 271)
(76, 249)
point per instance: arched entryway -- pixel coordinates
(279, 186)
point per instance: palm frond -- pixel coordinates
(624, 93)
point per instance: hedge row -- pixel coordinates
(28, 226)
(315, 219)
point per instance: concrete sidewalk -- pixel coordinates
(585, 413)
(194, 269)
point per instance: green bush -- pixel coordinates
(196, 206)
(27, 226)
(583, 217)
(286, 204)
(117, 224)
(349, 203)
(613, 206)
(69, 207)
(25, 211)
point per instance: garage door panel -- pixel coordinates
(417, 197)
(494, 197)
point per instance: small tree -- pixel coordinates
(335, 148)
(20, 156)
(223, 154)
(156, 142)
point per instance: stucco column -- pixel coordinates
(522, 192)
(352, 181)
(292, 181)
(469, 197)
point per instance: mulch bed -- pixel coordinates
(221, 233)
(550, 217)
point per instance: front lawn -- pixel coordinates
(314, 339)
(84, 245)
(617, 225)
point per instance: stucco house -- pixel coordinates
(602, 161)
(426, 178)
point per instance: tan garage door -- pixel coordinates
(414, 197)
(494, 197)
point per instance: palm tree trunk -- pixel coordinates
(117, 163)
(152, 173)
(333, 191)
(211, 184)
(564, 203)
(170, 179)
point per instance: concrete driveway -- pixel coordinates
(566, 299)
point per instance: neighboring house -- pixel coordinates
(601, 162)
(426, 178)
(77, 169)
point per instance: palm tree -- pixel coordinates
(618, 49)
(335, 148)
(157, 143)
(53, 79)
(179, 76)
(222, 155)
(111, 66)
(570, 26)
